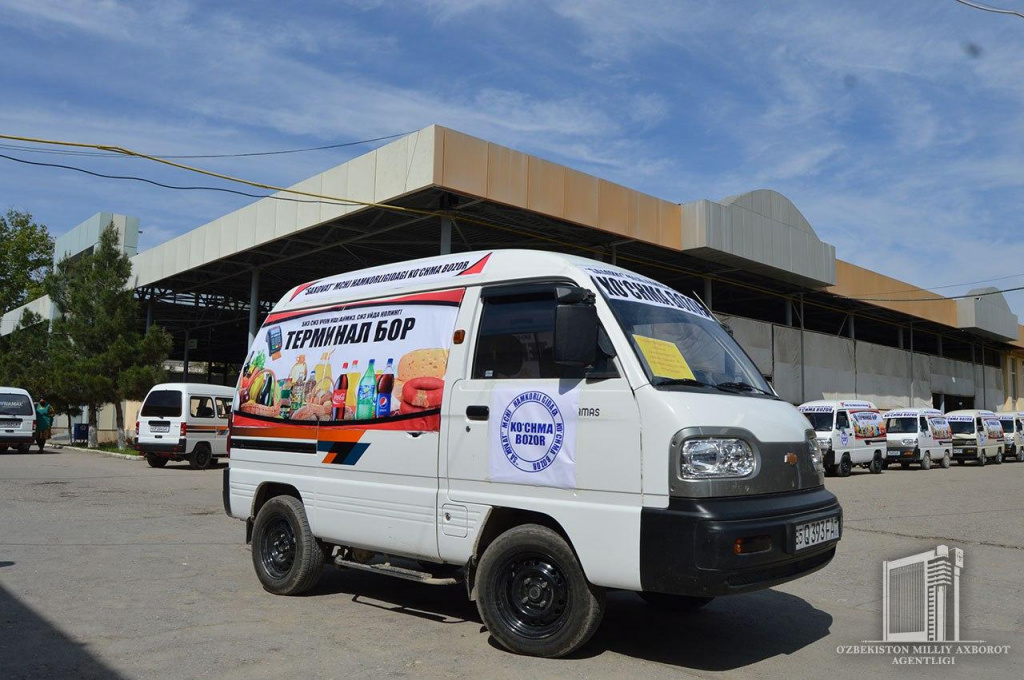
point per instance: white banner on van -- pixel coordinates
(532, 435)
(616, 284)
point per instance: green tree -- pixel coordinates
(96, 341)
(26, 253)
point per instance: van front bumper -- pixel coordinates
(965, 452)
(902, 452)
(688, 548)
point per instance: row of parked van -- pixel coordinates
(855, 433)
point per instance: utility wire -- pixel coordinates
(104, 154)
(940, 299)
(948, 285)
(995, 10)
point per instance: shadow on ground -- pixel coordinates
(731, 632)
(31, 647)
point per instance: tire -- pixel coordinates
(533, 595)
(875, 466)
(200, 457)
(287, 557)
(845, 466)
(982, 460)
(999, 457)
(961, 462)
(24, 448)
(946, 461)
(155, 461)
(926, 461)
(905, 466)
(675, 603)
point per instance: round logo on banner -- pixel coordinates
(532, 431)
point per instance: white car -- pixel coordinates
(850, 433)
(1013, 432)
(17, 419)
(184, 421)
(918, 435)
(977, 435)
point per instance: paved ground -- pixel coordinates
(111, 569)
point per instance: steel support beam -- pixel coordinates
(254, 305)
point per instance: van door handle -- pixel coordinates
(478, 412)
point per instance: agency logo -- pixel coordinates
(532, 431)
(921, 612)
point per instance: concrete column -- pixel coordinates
(899, 337)
(707, 293)
(803, 372)
(149, 313)
(789, 312)
(849, 330)
(184, 367)
(939, 338)
(254, 306)
(615, 253)
(984, 391)
(911, 365)
(446, 236)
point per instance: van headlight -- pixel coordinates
(715, 458)
(815, 452)
(909, 442)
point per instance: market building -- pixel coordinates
(819, 327)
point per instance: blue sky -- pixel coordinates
(896, 128)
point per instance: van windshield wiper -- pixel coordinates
(744, 387)
(690, 382)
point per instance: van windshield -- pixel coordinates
(962, 426)
(15, 405)
(821, 422)
(162, 404)
(901, 425)
(1007, 424)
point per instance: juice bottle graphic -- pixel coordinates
(322, 372)
(354, 375)
(298, 379)
(385, 383)
(366, 398)
(340, 394)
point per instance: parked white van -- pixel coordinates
(918, 435)
(17, 419)
(1013, 433)
(849, 432)
(184, 421)
(977, 435)
(538, 426)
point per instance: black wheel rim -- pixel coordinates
(277, 549)
(533, 595)
(203, 458)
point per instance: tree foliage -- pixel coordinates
(26, 253)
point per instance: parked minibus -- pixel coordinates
(1013, 434)
(17, 419)
(918, 435)
(184, 421)
(977, 435)
(850, 433)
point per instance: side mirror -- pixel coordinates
(576, 334)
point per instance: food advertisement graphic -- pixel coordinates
(867, 424)
(941, 429)
(532, 435)
(993, 428)
(376, 364)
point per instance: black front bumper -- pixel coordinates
(688, 547)
(967, 453)
(168, 450)
(905, 454)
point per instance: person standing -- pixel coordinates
(44, 421)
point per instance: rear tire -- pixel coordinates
(287, 557)
(675, 603)
(200, 457)
(155, 461)
(533, 595)
(24, 448)
(845, 466)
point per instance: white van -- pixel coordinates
(918, 435)
(849, 432)
(1013, 433)
(977, 435)
(538, 426)
(184, 421)
(17, 419)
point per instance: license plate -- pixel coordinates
(958, 450)
(10, 423)
(161, 427)
(819, 531)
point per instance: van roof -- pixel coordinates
(912, 412)
(971, 412)
(1010, 414)
(435, 273)
(841, 403)
(15, 390)
(191, 388)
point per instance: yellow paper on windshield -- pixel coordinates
(663, 357)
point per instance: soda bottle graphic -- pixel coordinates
(385, 383)
(340, 394)
(366, 399)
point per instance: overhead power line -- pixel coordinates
(941, 299)
(994, 10)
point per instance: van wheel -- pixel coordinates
(674, 603)
(845, 466)
(982, 460)
(287, 557)
(999, 457)
(533, 595)
(926, 461)
(876, 465)
(200, 457)
(155, 461)
(945, 461)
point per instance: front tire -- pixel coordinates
(845, 466)
(287, 557)
(675, 603)
(982, 460)
(926, 461)
(876, 465)
(200, 457)
(533, 595)
(999, 457)
(946, 461)
(155, 461)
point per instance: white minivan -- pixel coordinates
(918, 435)
(537, 426)
(184, 421)
(977, 435)
(850, 432)
(17, 419)
(1013, 433)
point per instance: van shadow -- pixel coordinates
(730, 633)
(32, 647)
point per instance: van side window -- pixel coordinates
(201, 407)
(223, 408)
(516, 339)
(842, 420)
(924, 424)
(980, 426)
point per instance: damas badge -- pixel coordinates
(533, 435)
